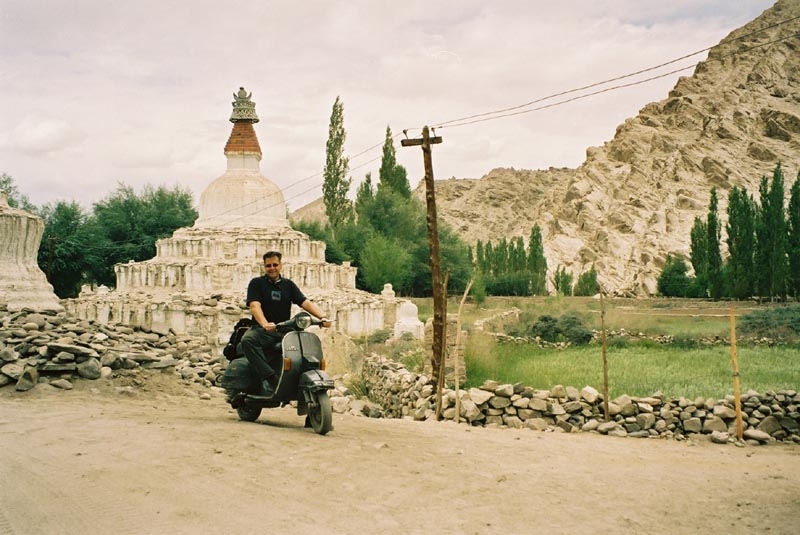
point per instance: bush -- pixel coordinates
(780, 322)
(546, 328)
(567, 328)
(573, 330)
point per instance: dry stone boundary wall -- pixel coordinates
(399, 393)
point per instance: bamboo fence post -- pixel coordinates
(440, 382)
(455, 350)
(737, 396)
(605, 357)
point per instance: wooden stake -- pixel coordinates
(455, 350)
(605, 359)
(737, 397)
(440, 383)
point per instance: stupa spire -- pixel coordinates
(244, 109)
(242, 197)
(243, 138)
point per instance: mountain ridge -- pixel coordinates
(634, 199)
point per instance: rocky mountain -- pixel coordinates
(634, 200)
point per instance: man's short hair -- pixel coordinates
(272, 254)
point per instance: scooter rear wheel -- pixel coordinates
(321, 415)
(248, 413)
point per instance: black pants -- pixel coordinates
(257, 346)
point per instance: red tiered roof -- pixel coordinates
(243, 139)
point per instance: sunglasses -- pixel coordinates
(271, 265)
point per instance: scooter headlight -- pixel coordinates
(304, 321)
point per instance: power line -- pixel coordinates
(621, 77)
(521, 109)
(511, 111)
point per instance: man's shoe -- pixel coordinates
(237, 401)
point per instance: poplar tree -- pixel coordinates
(793, 238)
(699, 255)
(562, 281)
(364, 195)
(715, 280)
(336, 183)
(391, 174)
(537, 263)
(741, 243)
(771, 239)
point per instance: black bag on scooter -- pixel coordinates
(231, 350)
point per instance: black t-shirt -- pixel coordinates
(276, 298)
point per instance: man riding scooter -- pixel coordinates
(270, 298)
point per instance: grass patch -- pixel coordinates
(639, 368)
(634, 369)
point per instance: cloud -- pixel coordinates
(141, 91)
(43, 136)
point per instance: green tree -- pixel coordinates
(715, 279)
(741, 243)
(364, 195)
(793, 238)
(391, 174)
(674, 280)
(587, 283)
(562, 281)
(63, 254)
(336, 183)
(501, 264)
(771, 262)
(537, 263)
(699, 253)
(126, 225)
(13, 196)
(385, 260)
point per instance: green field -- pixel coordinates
(683, 368)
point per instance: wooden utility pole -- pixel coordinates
(433, 240)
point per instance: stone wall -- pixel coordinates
(400, 393)
(56, 349)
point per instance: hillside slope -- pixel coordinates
(634, 200)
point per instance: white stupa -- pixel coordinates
(198, 278)
(242, 215)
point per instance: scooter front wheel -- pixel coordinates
(321, 414)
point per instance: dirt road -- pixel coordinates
(94, 461)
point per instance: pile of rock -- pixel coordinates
(402, 394)
(53, 347)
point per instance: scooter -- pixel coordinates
(303, 378)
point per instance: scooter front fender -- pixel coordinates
(315, 380)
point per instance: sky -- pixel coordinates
(94, 94)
